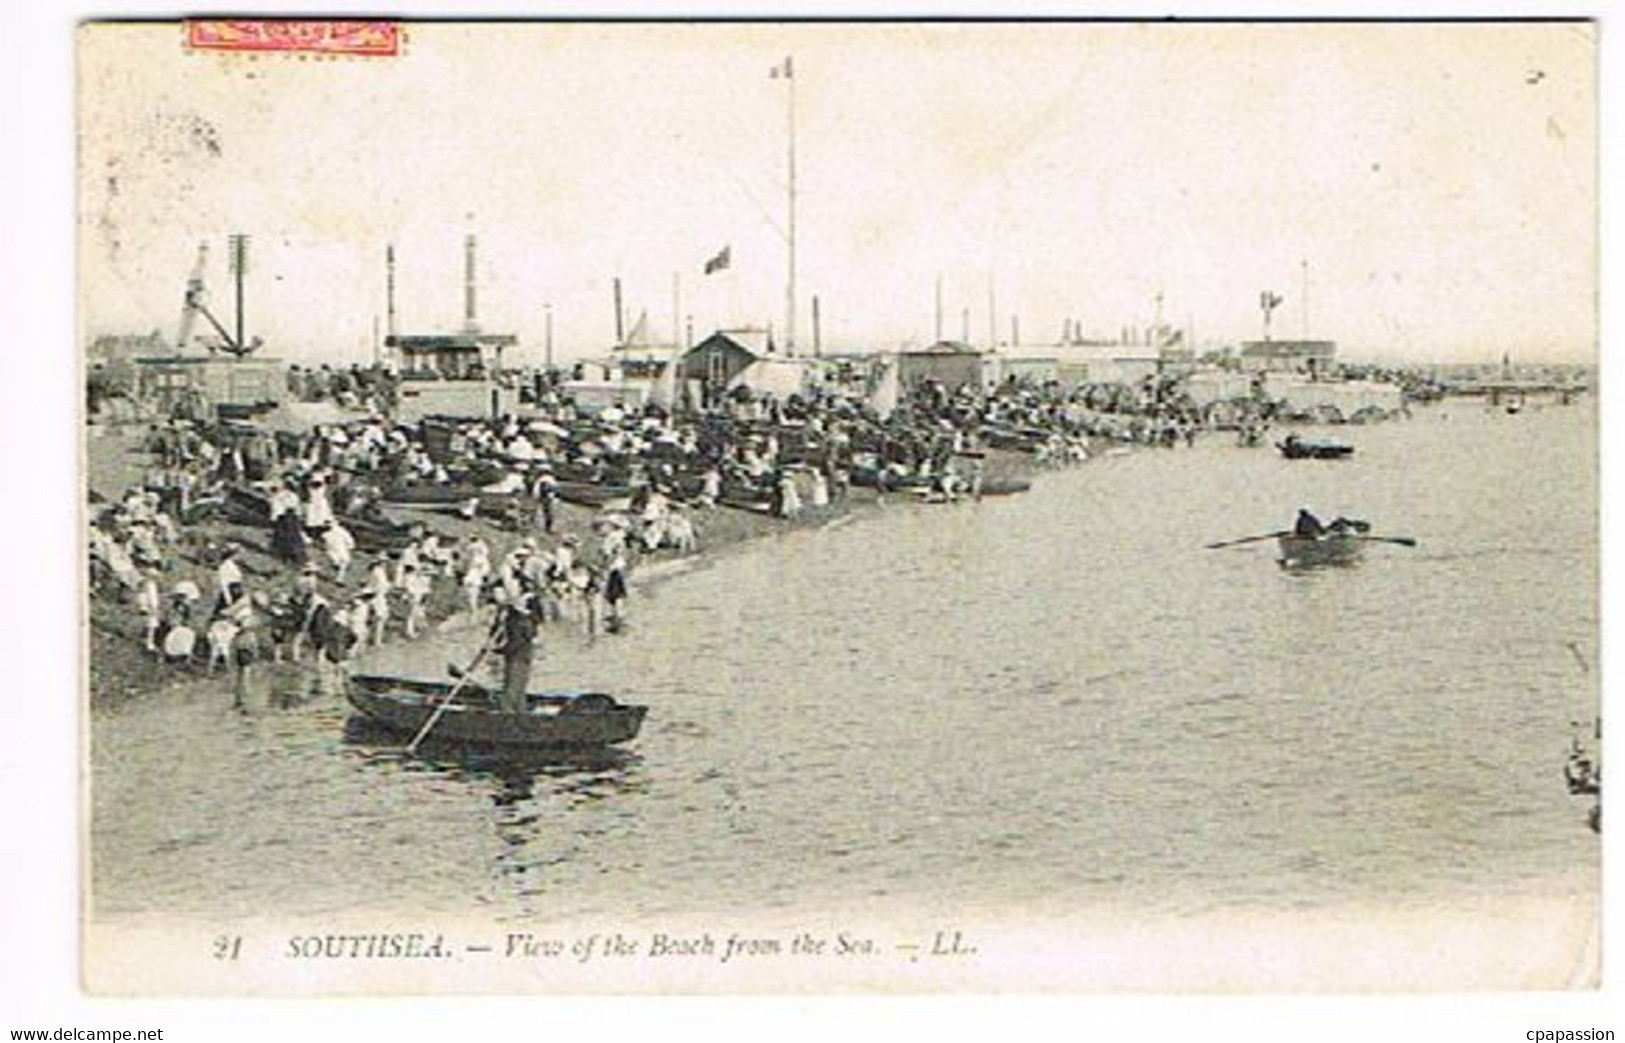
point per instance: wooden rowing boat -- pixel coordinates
(1305, 449)
(575, 720)
(592, 494)
(1005, 486)
(374, 533)
(1313, 551)
(435, 494)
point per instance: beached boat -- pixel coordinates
(864, 476)
(1327, 549)
(552, 721)
(591, 494)
(1005, 486)
(373, 532)
(436, 494)
(1295, 448)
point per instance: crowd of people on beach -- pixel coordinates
(359, 514)
(176, 560)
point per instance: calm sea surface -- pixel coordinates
(1047, 702)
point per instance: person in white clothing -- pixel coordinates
(409, 560)
(476, 570)
(361, 619)
(150, 603)
(789, 500)
(229, 577)
(819, 496)
(680, 530)
(318, 508)
(340, 547)
(415, 585)
(711, 488)
(378, 588)
(282, 500)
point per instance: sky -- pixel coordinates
(1432, 187)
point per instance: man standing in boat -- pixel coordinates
(513, 636)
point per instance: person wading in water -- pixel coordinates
(514, 638)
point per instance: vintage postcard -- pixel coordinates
(908, 507)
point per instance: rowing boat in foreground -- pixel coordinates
(1327, 549)
(552, 721)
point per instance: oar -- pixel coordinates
(1403, 541)
(1248, 539)
(451, 696)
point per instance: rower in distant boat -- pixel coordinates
(1308, 525)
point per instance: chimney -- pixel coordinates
(470, 311)
(389, 291)
(620, 316)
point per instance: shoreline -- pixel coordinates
(119, 672)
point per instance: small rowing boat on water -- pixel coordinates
(1295, 448)
(551, 721)
(1327, 549)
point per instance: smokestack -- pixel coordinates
(818, 340)
(1015, 330)
(549, 334)
(470, 311)
(620, 317)
(389, 291)
(239, 268)
(964, 326)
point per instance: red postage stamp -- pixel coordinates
(333, 38)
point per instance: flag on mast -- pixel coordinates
(782, 71)
(720, 262)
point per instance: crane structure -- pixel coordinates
(195, 302)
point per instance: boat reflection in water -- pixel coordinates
(589, 773)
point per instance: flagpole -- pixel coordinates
(790, 293)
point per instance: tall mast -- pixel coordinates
(471, 313)
(790, 293)
(620, 316)
(1305, 302)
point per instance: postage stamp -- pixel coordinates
(371, 39)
